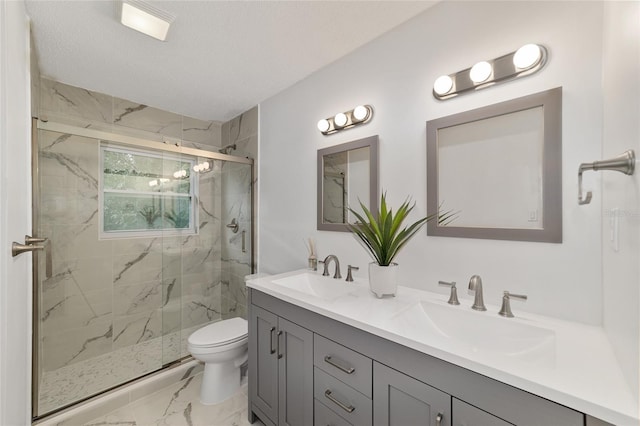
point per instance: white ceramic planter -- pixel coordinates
(383, 280)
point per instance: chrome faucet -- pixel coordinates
(326, 262)
(475, 284)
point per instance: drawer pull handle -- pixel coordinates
(330, 397)
(271, 349)
(439, 418)
(349, 370)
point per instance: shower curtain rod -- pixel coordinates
(169, 144)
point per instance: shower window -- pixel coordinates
(146, 193)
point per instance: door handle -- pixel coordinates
(34, 240)
(279, 354)
(439, 418)
(17, 248)
(33, 244)
(30, 244)
(271, 350)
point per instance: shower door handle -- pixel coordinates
(31, 244)
(17, 248)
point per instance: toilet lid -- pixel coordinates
(220, 333)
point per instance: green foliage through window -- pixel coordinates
(146, 191)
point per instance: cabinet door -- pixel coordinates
(400, 400)
(468, 415)
(263, 364)
(295, 371)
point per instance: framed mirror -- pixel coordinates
(347, 174)
(500, 167)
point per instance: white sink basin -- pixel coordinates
(459, 328)
(314, 284)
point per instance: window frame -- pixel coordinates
(193, 194)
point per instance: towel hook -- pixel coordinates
(623, 163)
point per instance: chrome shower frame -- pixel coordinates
(172, 145)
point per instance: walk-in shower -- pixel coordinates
(140, 256)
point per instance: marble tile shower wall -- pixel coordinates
(236, 203)
(84, 108)
(117, 296)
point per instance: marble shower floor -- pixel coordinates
(179, 405)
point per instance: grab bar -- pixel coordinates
(623, 163)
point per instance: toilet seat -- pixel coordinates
(221, 333)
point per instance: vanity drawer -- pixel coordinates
(343, 400)
(323, 416)
(466, 415)
(344, 364)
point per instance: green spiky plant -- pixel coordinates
(383, 235)
(150, 214)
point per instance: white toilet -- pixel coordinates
(222, 346)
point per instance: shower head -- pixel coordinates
(227, 148)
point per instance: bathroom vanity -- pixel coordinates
(327, 352)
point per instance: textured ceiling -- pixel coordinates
(220, 58)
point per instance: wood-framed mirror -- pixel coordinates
(500, 167)
(347, 174)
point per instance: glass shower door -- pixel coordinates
(237, 219)
(140, 258)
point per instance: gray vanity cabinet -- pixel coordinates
(400, 400)
(363, 379)
(468, 415)
(281, 358)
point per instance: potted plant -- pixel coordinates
(383, 237)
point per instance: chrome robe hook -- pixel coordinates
(623, 163)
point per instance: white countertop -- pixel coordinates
(580, 372)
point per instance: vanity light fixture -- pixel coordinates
(340, 119)
(527, 60)
(443, 85)
(145, 18)
(480, 72)
(346, 120)
(527, 56)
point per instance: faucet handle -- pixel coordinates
(349, 275)
(505, 310)
(325, 271)
(453, 297)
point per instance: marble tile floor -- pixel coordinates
(179, 405)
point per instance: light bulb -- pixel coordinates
(527, 56)
(196, 168)
(340, 119)
(443, 85)
(206, 165)
(323, 125)
(480, 72)
(153, 183)
(360, 112)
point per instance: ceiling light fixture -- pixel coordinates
(527, 60)
(345, 120)
(145, 18)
